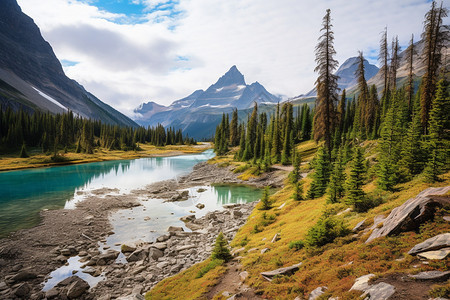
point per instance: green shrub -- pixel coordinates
(244, 241)
(325, 231)
(221, 250)
(212, 264)
(296, 245)
(440, 291)
(265, 200)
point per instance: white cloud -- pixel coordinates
(270, 41)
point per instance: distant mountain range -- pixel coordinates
(32, 78)
(346, 73)
(199, 113)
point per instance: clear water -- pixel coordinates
(24, 193)
(147, 222)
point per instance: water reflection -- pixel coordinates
(24, 193)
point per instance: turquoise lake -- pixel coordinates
(24, 193)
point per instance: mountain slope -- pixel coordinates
(29, 65)
(346, 72)
(199, 113)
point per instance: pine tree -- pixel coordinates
(438, 140)
(321, 174)
(395, 63)
(435, 36)
(324, 117)
(354, 194)
(410, 52)
(337, 179)
(265, 200)
(234, 130)
(286, 152)
(23, 152)
(383, 58)
(221, 250)
(298, 191)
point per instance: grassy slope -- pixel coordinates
(335, 265)
(38, 159)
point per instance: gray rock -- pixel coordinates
(139, 254)
(23, 290)
(200, 206)
(236, 214)
(265, 250)
(185, 247)
(380, 291)
(159, 246)
(188, 218)
(3, 286)
(23, 276)
(359, 226)
(435, 254)
(281, 271)
(243, 275)
(52, 293)
(275, 238)
(77, 288)
(174, 229)
(432, 275)
(162, 265)
(316, 293)
(435, 243)
(127, 248)
(155, 253)
(89, 270)
(412, 213)
(65, 252)
(163, 238)
(362, 283)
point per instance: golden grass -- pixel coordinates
(335, 265)
(184, 285)
(37, 159)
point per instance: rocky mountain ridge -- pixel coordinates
(32, 78)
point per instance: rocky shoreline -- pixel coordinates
(28, 256)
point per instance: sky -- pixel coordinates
(127, 52)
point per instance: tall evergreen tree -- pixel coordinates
(354, 194)
(410, 52)
(324, 117)
(337, 179)
(395, 63)
(436, 37)
(439, 137)
(234, 130)
(383, 58)
(321, 174)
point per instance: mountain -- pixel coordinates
(32, 78)
(199, 113)
(346, 72)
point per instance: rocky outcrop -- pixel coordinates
(435, 243)
(281, 271)
(171, 253)
(432, 275)
(379, 291)
(412, 213)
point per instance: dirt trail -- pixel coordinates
(232, 284)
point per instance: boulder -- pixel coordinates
(362, 283)
(359, 226)
(281, 271)
(77, 288)
(174, 229)
(137, 255)
(162, 265)
(316, 293)
(52, 293)
(243, 275)
(127, 248)
(23, 276)
(412, 213)
(159, 246)
(188, 218)
(380, 291)
(155, 253)
(275, 238)
(3, 286)
(200, 206)
(163, 238)
(436, 254)
(432, 275)
(236, 214)
(23, 290)
(435, 243)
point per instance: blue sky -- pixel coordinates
(131, 51)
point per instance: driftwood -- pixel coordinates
(281, 271)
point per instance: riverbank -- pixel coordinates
(28, 256)
(39, 160)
